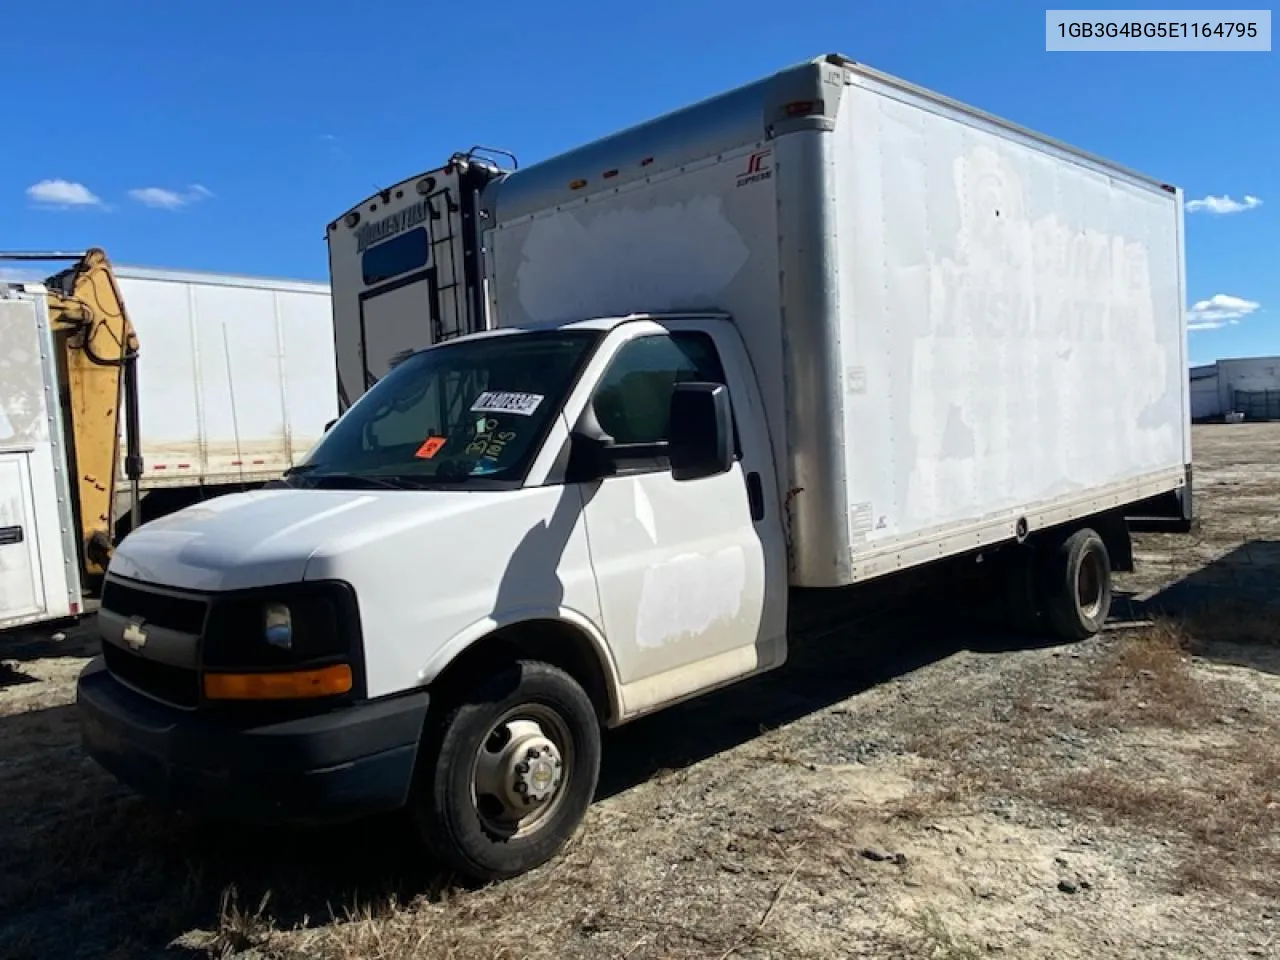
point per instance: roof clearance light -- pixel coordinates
(610, 174)
(351, 219)
(425, 185)
(646, 161)
(577, 184)
(803, 108)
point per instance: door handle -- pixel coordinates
(755, 496)
(10, 535)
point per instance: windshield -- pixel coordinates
(461, 410)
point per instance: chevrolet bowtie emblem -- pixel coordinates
(134, 635)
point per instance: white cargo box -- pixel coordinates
(960, 326)
(39, 555)
(236, 375)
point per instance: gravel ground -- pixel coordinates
(909, 785)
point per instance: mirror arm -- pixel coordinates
(636, 451)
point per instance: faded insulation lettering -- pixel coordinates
(1051, 264)
(1037, 304)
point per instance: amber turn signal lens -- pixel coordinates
(293, 685)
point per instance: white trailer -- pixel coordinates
(816, 330)
(236, 376)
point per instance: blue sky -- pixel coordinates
(225, 136)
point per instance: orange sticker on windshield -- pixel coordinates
(430, 447)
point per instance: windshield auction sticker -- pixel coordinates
(430, 447)
(497, 401)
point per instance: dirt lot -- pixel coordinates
(913, 786)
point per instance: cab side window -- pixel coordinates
(633, 401)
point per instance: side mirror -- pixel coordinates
(701, 431)
(328, 425)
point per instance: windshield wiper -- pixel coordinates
(387, 483)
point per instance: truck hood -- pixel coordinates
(267, 537)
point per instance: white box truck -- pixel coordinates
(808, 333)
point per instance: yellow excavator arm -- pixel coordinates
(96, 355)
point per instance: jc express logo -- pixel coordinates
(759, 167)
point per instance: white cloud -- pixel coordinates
(163, 199)
(1220, 310)
(1223, 204)
(62, 193)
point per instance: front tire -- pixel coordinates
(508, 773)
(1077, 586)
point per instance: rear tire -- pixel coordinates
(507, 774)
(1077, 585)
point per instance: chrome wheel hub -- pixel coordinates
(519, 771)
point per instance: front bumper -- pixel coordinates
(341, 765)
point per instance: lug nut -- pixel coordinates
(522, 767)
(532, 753)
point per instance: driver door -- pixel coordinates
(688, 572)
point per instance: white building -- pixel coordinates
(1250, 385)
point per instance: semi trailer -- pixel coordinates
(817, 331)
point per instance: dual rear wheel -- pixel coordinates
(1062, 584)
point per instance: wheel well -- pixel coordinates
(1114, 531)
(551, 641)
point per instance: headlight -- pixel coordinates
(277, 626)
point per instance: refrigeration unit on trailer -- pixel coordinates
(814, 331)
(405, 265)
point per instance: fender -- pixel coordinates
(477, 631)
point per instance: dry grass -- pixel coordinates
(1219, 789)
(1148, 680)
(1227, 815)
(932, 939)
(1196, 764)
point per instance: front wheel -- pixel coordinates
(508, 773)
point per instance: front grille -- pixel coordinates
(184, 614)
(175, 685)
